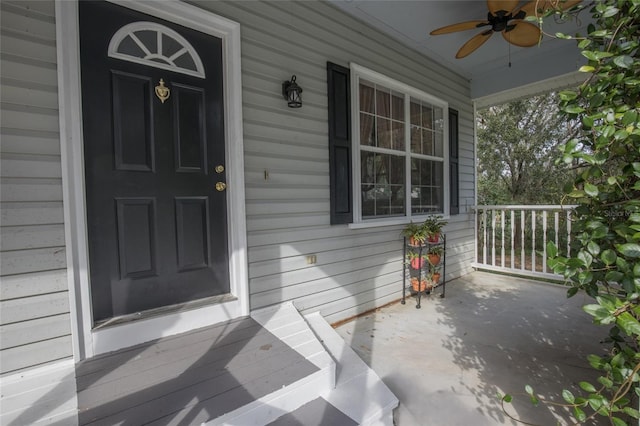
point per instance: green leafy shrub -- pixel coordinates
(605, 257)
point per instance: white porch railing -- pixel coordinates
(514, 238)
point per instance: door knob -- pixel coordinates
(221, 186)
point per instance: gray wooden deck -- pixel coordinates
(187, 379)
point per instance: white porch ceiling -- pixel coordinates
(532, 69)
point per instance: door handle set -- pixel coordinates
(220, 186)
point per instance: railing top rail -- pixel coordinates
(526, 207)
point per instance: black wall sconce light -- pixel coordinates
(291, 92)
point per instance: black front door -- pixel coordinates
(153, 152)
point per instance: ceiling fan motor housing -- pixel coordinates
(500, 21)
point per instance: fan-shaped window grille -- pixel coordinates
(157, 46)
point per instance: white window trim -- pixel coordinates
(359, 72)
(87, 342)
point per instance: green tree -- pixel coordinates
(606, 264)
(517, 149)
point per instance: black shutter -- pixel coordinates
(454, 183)
(340, 143)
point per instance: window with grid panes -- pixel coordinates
(400, 150)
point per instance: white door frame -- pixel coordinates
(88, 342)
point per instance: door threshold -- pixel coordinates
(164, 310)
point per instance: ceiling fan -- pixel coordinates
(507, 18)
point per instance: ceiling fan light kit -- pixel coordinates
(505, 17)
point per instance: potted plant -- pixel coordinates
(432, 228)
(415, 260)
(428, 283)
(415, 234)
(435, 277)
(418, 285)
(434, 255)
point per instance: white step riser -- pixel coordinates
(377, 403)
(274, 405)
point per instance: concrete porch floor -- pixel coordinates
(492, 334)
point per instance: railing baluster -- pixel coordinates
(476, 236)
(513, 255)
(544, 240)
(493, 237)
(568, 233)
(556, 219)
(533, 240)
(502, 238)
(484, 240)
(522, 255)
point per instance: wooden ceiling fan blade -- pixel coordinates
(539, 7)
(476, 41)
(524, 34)
(506, 5)
(460, 26)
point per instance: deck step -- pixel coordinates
(285, 323)
(273, 367)
(374, 403)
(315, 413)
(326, 399)
(236, 372)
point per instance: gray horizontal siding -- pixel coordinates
(33, 284)
(22, 333)
(38, 353)
(34, 302)
(25, 141)
(34, 236)
(32, 213)
(287, 164)
(29, 308)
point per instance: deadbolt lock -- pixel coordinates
(221, 186)
(219, 168)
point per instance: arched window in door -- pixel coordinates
(156, 46)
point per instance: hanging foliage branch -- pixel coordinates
(606, 246)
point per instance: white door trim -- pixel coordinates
(88, 342)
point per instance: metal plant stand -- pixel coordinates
(417, 269)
